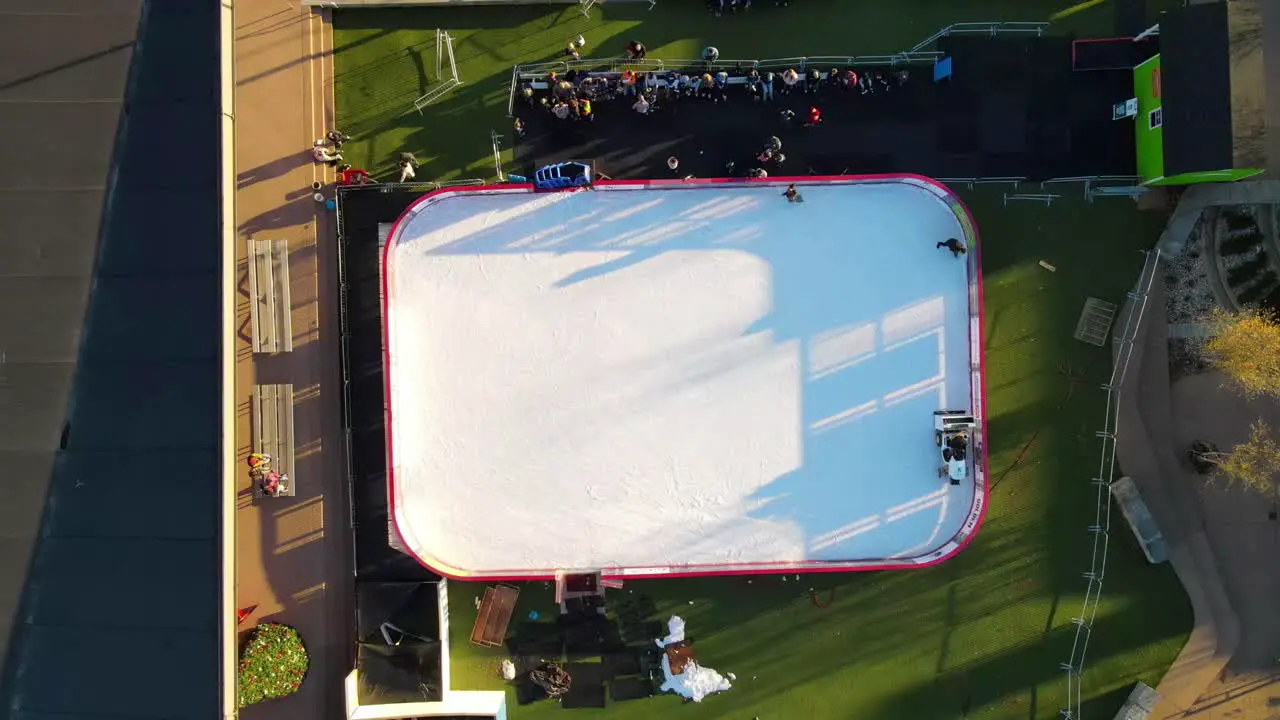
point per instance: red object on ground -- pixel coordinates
(243, 613)
(355, 176)
(815, 116)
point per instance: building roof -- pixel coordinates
(1196, 90)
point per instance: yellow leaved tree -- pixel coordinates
(1245, 346)
(1254, 463)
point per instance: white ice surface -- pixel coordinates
(675, 377)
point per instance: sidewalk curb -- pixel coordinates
(1143, 427)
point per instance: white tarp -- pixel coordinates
(696, 682)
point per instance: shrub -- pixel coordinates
(272, 664)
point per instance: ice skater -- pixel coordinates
(793, 195)
(956, 247)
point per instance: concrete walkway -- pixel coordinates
(292, 553)
(1222, 542)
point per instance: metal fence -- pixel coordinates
(344, 355)
(496, 139)
(990, 29)
(1100, 530)
(916, 55)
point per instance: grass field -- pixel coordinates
(980, 636)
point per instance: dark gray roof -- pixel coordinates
(1196, 89)
(108, 310)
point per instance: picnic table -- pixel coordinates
(494, 615)
(272, 422)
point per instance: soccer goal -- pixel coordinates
(446, 75)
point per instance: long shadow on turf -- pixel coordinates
(435, 143)
(1028, 666)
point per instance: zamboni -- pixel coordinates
(953, 432)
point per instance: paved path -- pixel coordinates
(1245, 537)
(292, 553)
(1222, 542)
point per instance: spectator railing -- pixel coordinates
(615, 66)
(915, 56)
(991, 29)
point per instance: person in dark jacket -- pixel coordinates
(956, 247)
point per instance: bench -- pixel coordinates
(494, 615)
(1140, 520)
(272, 423)
(270, 307)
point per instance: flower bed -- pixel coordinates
(273, 664)
(1188, 293)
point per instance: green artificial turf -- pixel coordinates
(984, 632)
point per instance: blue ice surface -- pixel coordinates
(848, 255)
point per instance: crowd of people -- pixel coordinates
(722, 7)
(574, 96)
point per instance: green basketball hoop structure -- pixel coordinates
(445, 83)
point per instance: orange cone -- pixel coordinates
(243, 613)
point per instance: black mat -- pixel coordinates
(873, 133)
(534, 639)
(631, 688)
(362, 403)
(617, 664)
(1013, 107)
(528, 692)
(641, 632)
(587, 690)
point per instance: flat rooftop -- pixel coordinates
(679, 377)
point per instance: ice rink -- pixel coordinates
(677, 378)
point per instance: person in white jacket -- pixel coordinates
(322, 154)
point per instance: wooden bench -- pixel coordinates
(494, 616)
(270, 307)
(272, 423)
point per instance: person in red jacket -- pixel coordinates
(815, 117)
